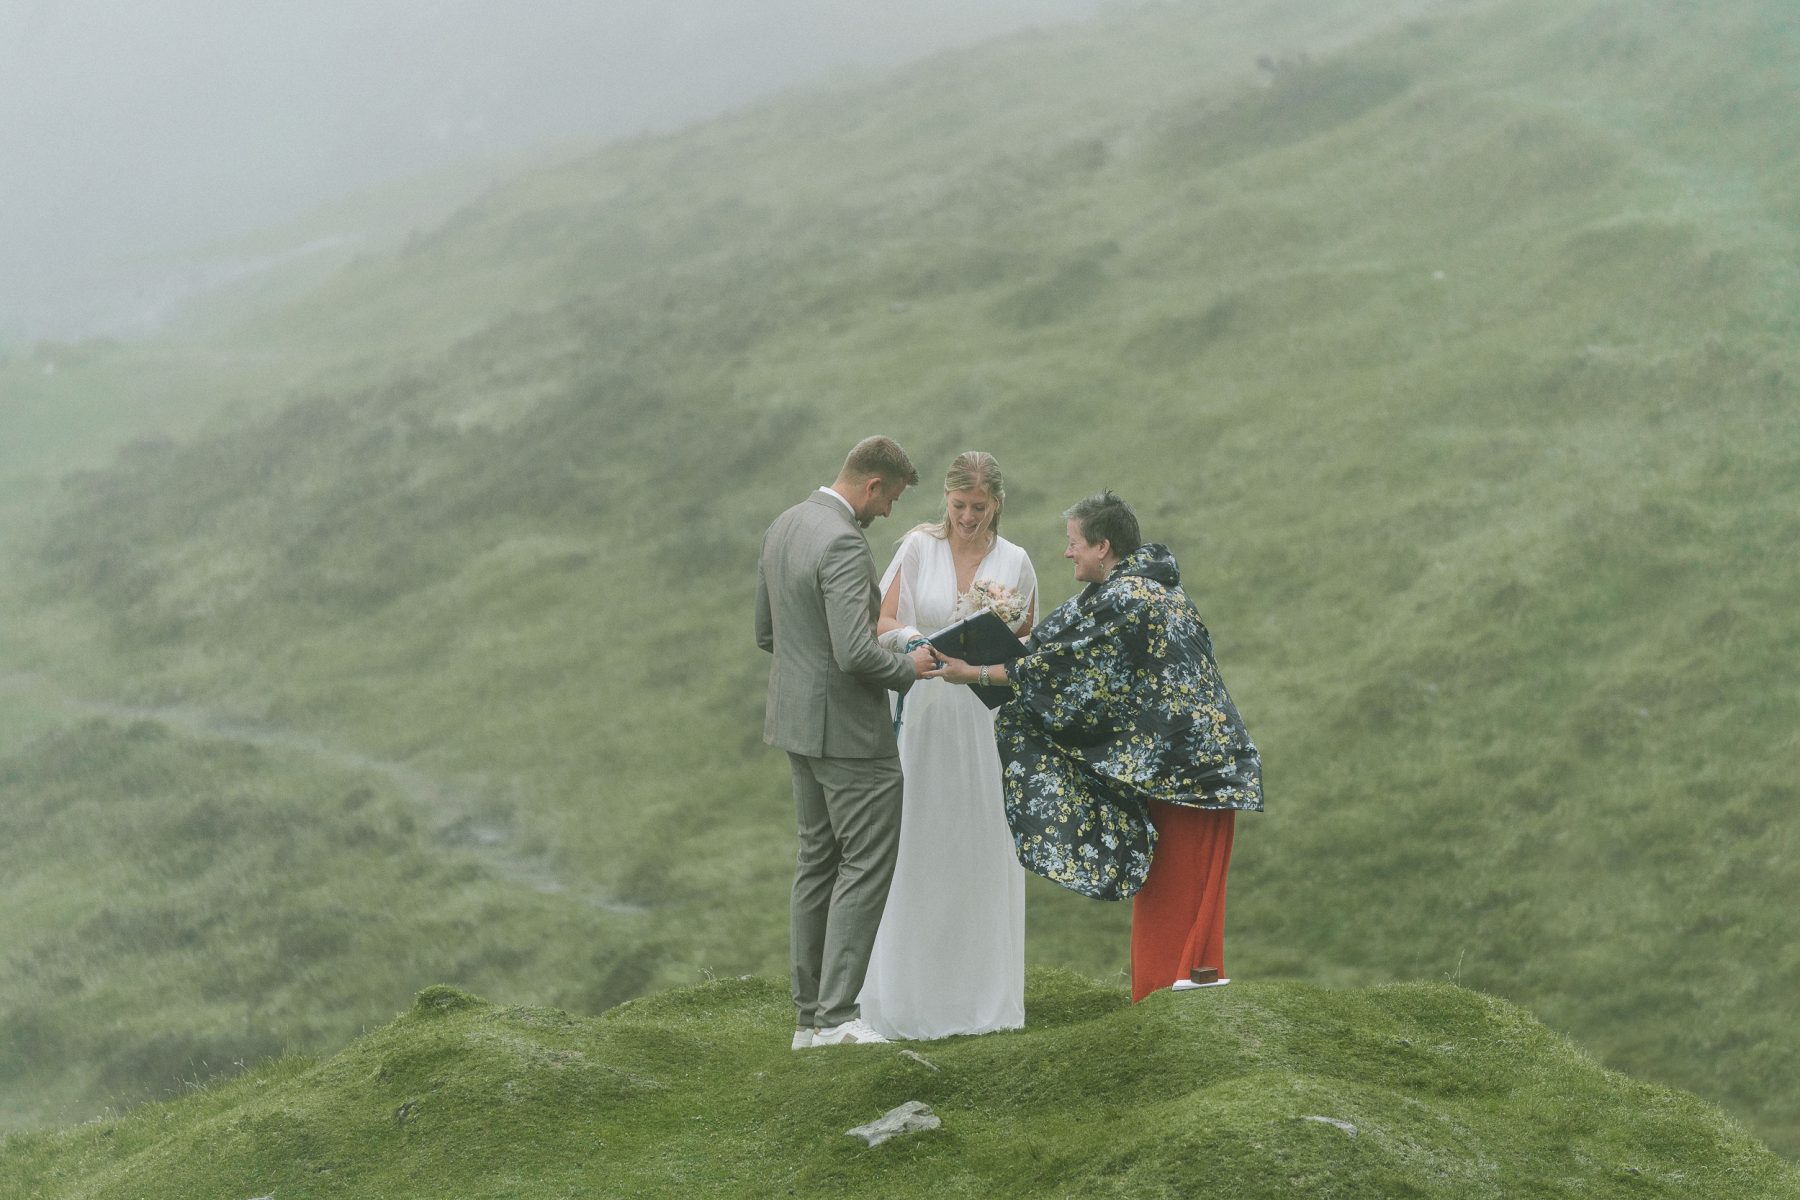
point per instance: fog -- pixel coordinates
(130, 130)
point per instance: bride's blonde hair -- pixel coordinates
(970, 471)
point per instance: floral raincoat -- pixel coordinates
(1119, 702)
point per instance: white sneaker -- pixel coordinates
(802, 1038)
(1188, 985)
(854, 1031)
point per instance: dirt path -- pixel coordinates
(460, 815)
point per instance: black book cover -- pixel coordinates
(982, 640)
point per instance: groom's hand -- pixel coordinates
(925, 661)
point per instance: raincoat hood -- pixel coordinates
(1150, 561)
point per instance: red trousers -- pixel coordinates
(1178, 916)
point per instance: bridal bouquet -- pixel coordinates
(997, 598)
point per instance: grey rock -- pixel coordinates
(911, 1117)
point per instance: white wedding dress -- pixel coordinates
(950, 954)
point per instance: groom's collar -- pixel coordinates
(832, 492)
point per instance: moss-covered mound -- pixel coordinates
(1251, 1090)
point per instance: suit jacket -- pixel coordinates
(816, 607)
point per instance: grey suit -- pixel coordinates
(816, 605)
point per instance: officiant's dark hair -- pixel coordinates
(880, 458)
(1106, 518)
(971, 471)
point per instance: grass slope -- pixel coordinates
(254, 898)
(1261, 1090)
(1452, 347)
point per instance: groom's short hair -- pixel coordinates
(880, 458)
(1106, 518)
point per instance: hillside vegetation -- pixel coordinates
(1260, 1090)
(400, 635)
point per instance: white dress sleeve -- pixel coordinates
(1015, 570)
(905, 568)
(1028, 587)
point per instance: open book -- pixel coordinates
(982, 640)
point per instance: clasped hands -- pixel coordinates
(953, 670)
(929, 664)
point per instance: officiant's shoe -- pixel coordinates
(853, 1031)
(802, 1039)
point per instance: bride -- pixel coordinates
(950, 954)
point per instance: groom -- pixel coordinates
(816, 604)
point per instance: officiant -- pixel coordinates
(1123, 759)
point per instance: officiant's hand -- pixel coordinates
(953, 670)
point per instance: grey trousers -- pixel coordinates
(848, 812)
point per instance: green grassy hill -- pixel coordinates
(405, 637)
(1276, 1090)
